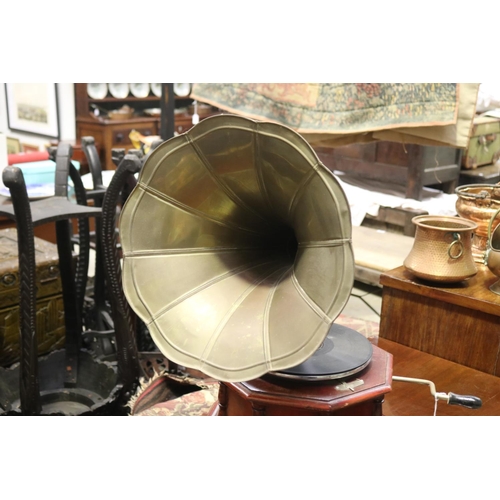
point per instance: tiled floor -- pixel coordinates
(365, 302)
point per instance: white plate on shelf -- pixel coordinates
(156, 88)
(152, 112)
(182, 89)
(97, 90)
(119, 90)
(139, 89)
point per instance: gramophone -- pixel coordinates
(237, 255)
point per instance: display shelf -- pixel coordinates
(115, 133)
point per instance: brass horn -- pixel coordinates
(237, 248)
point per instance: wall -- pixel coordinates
(66, 104)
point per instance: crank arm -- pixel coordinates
(471, 402)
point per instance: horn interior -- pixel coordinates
(237, 248)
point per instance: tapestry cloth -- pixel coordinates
(335, 114)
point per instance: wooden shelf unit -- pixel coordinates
(111, 134)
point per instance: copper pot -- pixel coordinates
(478, 203)
(442, 249)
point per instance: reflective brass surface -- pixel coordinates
(492, 254)
(442, 249)
(478, 202)
(237, 248)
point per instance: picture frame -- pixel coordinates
(32, 108)
(29, 148)
(13, 146)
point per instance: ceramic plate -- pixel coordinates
(139, 89)
(152, 111)
(156, 88)
(182, 89)
(119, 90)
(97, 90)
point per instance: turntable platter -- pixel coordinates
(344, 352)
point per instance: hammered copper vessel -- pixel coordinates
(237, 248)
(478, 203)
(442, 249)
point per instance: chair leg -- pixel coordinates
(129, 366)
(29, 379)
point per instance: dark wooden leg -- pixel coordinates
(222, 400)
(28, 384)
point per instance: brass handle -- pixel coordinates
(493, 217)
(456, 241)
(484, 140)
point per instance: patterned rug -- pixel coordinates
(331, 114)
(163, 394)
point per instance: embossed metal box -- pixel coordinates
(50, 311)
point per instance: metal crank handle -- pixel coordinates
(451, 398)
(471, 402)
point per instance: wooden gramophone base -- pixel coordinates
(360, 394)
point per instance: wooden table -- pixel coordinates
(272, 396)
(459, 322)
(408, 399)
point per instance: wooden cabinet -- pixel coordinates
(111, 134)
(114, 133)
(457, 322)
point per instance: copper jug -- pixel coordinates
(442, 250)
(492, 254)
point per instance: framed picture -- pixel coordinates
(13, 146)
(29, 148)
(32, 108)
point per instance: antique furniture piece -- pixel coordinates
(406, 399)
(110, 132)
(123, 318)
(49, 302)
(361, 394)
(39, 168)
(409, 165)
(484, 143)
(489, 174)
(232, 226)
(66, 369)
(457, 322)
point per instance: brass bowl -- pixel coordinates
(478, 203)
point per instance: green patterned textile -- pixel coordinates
(352, 112)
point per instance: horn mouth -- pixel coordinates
(237, 248)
